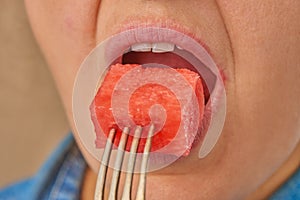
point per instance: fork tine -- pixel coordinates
(118, 164)
(113, 192)
(99, 193)
(141, 191)
(131, 162)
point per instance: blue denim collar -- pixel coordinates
(62, 174)
(289, 190)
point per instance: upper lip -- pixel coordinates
(135, 23)
(163, 31)
(130, 24)
(138, 31)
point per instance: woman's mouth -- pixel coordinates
(169, 48)
(155, 47)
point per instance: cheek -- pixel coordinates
(264, 108)
(265, 47)
(65, 31)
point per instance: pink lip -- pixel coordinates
(149, 30)
(133, 23)
(152, 32)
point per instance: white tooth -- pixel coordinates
(141, 47)
(179, 47)
(162, 47)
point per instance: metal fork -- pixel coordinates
(102, 175)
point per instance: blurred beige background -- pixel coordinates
(32, 121)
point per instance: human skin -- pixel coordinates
(255, 43)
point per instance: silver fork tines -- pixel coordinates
(102, 175)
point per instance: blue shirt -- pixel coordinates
(60, 178)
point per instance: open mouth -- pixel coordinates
(163, 52)
(130, 52)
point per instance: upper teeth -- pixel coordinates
(141, 47)
(162, 47)
(155, 47)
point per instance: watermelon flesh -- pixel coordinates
(141, 101)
